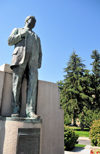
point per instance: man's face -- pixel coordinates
(30, 23)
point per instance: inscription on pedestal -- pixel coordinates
(28, 141)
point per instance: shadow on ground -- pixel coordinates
(77, 149)
(81, 150)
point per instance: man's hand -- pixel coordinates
(24, 34)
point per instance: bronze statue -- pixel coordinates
(26, 59)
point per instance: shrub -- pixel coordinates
(94, 133)
(70, 138)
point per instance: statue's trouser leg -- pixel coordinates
(31, 88)
(18, 73)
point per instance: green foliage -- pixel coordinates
(80, 91)
(88, 116)
(70, 138)
(94, 133)
(60, 84)
(96, 115)
(96, 78)
(67, 119)
(75, 93)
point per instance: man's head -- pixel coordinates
(30, 22)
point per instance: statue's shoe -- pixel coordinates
(14, 115)
(33, 115)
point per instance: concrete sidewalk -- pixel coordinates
(78, 150)
(85, 150)
(84, 140)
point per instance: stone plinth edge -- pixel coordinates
(5, 68)
(21, 119)
(9, 133)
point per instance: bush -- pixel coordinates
(94, 133)
(70, 138)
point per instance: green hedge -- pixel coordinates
(94, 133)
(70, 138)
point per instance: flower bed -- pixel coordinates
(96, 151)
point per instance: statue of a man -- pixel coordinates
(26, 59)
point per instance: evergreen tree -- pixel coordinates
(60, 86)
(75, 88)
(96, 78)
(87, 89)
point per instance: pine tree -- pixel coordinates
(75, 92)
(96, 78)
(60, 86)
(87, 89)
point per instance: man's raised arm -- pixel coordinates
(14, 37)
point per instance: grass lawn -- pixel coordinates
(80, 145)
(84, 133)
(78, 128)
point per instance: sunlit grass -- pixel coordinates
(80, 145)
(84, 133)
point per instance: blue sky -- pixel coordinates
(62, 25)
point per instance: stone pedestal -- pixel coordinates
(48, 107)
(20, 136)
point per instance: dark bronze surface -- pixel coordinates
(28, 141)
(26, 59)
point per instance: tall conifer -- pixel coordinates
(96, 78)
(75, 92)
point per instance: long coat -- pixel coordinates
(20, 48)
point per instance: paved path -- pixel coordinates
(82, 150)
(79, 150)
(84, 140)
(85, 150)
